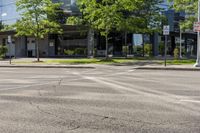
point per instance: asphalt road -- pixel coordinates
(109, 99)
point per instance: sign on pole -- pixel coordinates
(196, 27)
(166, 30)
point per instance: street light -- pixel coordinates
(198, 39)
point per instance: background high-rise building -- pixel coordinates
(9, 15)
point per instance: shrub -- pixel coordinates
(148, 49)
(3, 51)
(138, 50)
(68, 52)
(80, 51)
(176, 53)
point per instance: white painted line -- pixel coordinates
(192, 101)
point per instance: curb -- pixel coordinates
(168, 68)
(26, 66)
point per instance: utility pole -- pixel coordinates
(198, 39)
(180, 43)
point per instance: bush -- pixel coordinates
(3, 51)
(80, 51)
(68, 52)
(176, 53)
(148, 49)
(138, 50)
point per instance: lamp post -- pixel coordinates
(198, 39)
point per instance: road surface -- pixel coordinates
(108, 99)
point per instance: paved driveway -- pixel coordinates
(108, 99)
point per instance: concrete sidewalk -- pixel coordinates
(170, 67)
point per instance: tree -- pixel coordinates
(190, 7)
(37, 19)
(100, 15)
(1, 26)
(138, 16)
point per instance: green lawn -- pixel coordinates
(88, 61)
(103, 61)
(181, 62)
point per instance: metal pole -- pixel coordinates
(10, 53)
(165, 50)
(198, 39)
(180, 43)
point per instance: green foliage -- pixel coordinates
(4, 27)
(138, 50)
(190, 7)
(1, 26)
(3, 51)
(76, 51)
(37, 19)
(148, 49)
(74, 20)
(69, 52)
(125, 15)
(80, 51)
(176, 53)
(141, 16)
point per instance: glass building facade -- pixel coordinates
(9, 15)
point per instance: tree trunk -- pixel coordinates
(38, 51)
(125, 35)
(90, 43)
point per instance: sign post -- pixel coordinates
(166, 30)
(9, 43)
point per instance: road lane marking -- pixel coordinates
(192, 101)
(124, 88)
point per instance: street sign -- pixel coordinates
(196, 27)
(166, 30)
(9, 39)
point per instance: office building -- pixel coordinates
(76, 40)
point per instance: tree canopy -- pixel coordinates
(133, 15)
(190, 7)
(37, 19)
(138, 16)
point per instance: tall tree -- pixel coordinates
(138, 16)
(100, 15)
(37, 19)
(190, 7)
